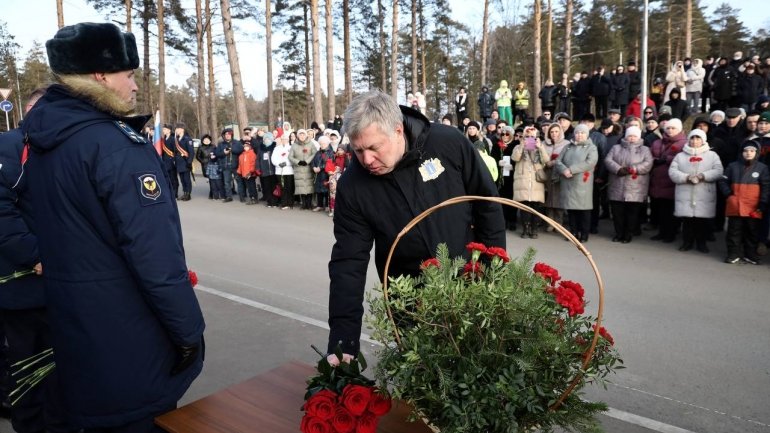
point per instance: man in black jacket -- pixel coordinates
(403, 166)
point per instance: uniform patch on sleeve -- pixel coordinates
(149, 189)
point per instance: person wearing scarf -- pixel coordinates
(576, 165)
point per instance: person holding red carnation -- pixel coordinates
(403, 165)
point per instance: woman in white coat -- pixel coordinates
(530, 156)
(284, 171)
(695, 171)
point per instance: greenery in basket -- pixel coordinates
(490, 345)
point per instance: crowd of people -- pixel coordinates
(635, 162)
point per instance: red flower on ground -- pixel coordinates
(696, 159)
(473, 268)
(476, 246)
(356, 398)
(367, 423)
(550, 274)
(575, 287)
(321, 404)
(605, 334)
(379, 404)
(498, 252)
(430, 262)
(193, 277)
(343, 421)
(311, 424)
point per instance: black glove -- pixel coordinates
(283, 164)
(186, 356)
(302, 163)
(659, 161)
(622, 171)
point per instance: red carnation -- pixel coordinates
(379, 405)
(304, 150)
(343, 421)
(473, 268)
(476, 246)
(367, 423)
(550, 274)
(605, 334)
(311, 424)
(586, 176)
(430, 262)
(283, 154)
(554, 156)
(568, 299)
(501, 144)
(321, 404)
(696, 159)
(575, 287)
(498, 252)
(356, 398)
(193, 277)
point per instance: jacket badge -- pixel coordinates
(148, 186)
(431, 169)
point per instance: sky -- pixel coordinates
(35, 20)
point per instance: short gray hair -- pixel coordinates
(373, 107)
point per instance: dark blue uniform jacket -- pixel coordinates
(118, 292)
(18, 244)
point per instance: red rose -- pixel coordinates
(472, 268)
(605, 334)
(311, 424)
(430, 262)
(367, 423)
(379, 404)
(356, 398)
(476, 246)
(321, 404)
(498, 252)
(696, 159)
(193, 277)
(550, 274)
(343, 421)
(575, 287)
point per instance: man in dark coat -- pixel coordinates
(724, 85)
(406, 165)
(227, 153)
(634, 79)
(581, 95)
(126, 325)
(600, 90)
(183, 159)
(486, 105)
(22, 300)
(621, 85)
(168, 155)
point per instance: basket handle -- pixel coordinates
(556, 226)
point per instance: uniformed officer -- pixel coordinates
(184, 153)
(168, 155)
(403, 166)
(126, 325)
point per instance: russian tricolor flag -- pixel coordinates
(157, 137)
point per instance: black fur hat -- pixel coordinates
(92, 47)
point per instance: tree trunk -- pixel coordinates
(346, 43)
(161, 62)
(212, 82)
(330, 93)
(129, 6)
(235, 69)
(484, 43)
(148, 105)
(308, 95)
(668, 39)
(414, 45)
(383, 70)
(60, 13)
(269, 62)
(568, 39)
(688, 31)
(536, 72)
(318, 113)
(549, 42)
(422, 52)
(394, 54)
(202, 114)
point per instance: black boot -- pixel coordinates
(525, 230)
(533, 231)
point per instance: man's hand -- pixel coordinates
(38, 268)
(185, 357)
(334, 361)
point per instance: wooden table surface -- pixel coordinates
(270, 403)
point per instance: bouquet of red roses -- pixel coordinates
(342, 400)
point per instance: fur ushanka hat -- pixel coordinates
(92, 47)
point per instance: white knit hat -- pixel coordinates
(633, 130)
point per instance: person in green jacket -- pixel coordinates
(503, 97)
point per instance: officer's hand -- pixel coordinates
(38, 268)
(185, 357)
(334, 361)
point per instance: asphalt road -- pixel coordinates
(693, 331)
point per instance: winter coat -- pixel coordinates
(118, 293)
(634, 107)
(525, 184)
(439, 163)
(503, 95)
(547, 96)
(168, 151)
(553, 187)
(750, 86)
(301, 155)
(747, 188)
(203, 155)
(620, 84)
(695, 77)
(486, 104)
(697, 200)
(676, 78)
(461, 106)
(663, 152)
(280, 155)
(580, 159)
(600, 85)
(634, 83)
(321, 179)
(632, 187)
(247, 164)
(228, 162)
(18, 243)
(264, 164)
(184, 154)
(678, 108)
(724, 83)
(732, 138)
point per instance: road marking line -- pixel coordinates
(630, 418)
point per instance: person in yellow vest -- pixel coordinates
(520, 102)
(503, 98)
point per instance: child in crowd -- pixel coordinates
(214, 173)
(247, 169)
(334, 168)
